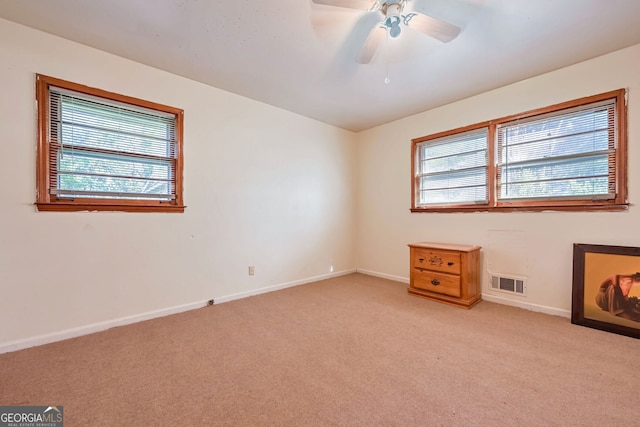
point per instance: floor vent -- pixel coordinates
(512, 285)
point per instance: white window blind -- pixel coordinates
(568, 154)
(452, 169)
(101, 148)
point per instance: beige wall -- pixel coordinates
(294, 197)
(536, 246)
(263, 187)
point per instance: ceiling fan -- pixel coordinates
(392, 22)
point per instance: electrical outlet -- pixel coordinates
(252, 270)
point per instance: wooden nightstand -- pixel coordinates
(446, 273)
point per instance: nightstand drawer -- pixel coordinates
(436, 282)
(429, 259)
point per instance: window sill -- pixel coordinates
(77, 207)
(550, 208)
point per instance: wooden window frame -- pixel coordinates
(45, 201)
(618, 203)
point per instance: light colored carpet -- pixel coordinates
(351, 351)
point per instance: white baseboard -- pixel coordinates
(527, 306)
(95, 327)
(492, 298)
(273, 288)
(103, 326)
(383, 275)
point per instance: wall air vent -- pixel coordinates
(509, 284)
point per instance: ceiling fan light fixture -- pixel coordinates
(393, 26)
(393, 17)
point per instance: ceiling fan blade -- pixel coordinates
(371, 44)
(433, 27)
(349, 4)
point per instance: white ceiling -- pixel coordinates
(302, 57)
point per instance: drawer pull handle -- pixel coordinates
(421, 259)
(435, 282)
(450, 263)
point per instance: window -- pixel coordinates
(453, 169)
(103, 151)
(570, 156)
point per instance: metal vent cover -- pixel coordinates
(508, 284)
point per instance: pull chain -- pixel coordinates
(387, 79)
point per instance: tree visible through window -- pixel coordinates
(103, 151)
(453, 169)
(568, 156)
(559, 155)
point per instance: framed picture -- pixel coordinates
(606, 288)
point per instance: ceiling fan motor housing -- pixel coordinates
(392, 8)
